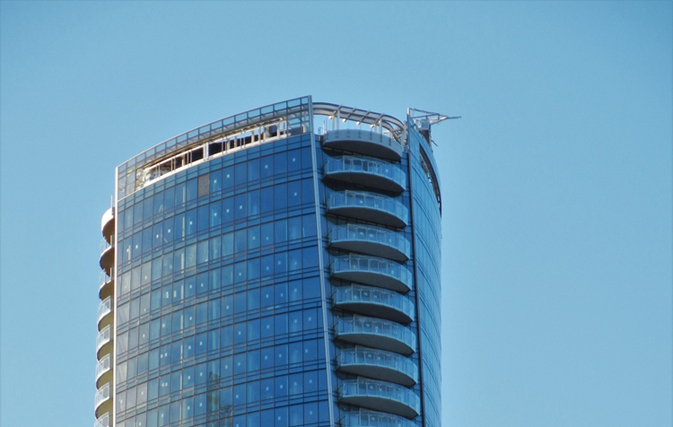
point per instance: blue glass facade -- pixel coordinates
(255, 276)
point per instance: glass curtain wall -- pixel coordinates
(427, 249)
(218, 295)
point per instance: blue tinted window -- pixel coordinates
(192, 189)
(169, 198)
(267, 200)
(241, 173)
(266, 167)
(280, 196)
(190, 222)
(280, 163)
(240, 207)
(215, 181)
(203, 218)
(228, 210)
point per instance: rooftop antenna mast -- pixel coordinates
(425, 119)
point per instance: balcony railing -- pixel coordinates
(104, 308)
(103, 365)
(363, 141)
(365, 418)
(104, 337)
(371, 240)
(380, 395)
(102, 394)
(104, 278)
(368, 172)
(106, 255)
(376, 333)
(378, 364)
(103, 421)
(104, 245)
(369, 207)
(375, 302)
(373, 271)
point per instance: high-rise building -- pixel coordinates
(277, 267)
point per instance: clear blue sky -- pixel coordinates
(557, 237)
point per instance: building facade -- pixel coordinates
(277, 267)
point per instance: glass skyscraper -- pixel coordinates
(279, 267)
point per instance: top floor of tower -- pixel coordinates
(337, 126)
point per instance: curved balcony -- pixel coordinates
(372, 173)
(370, 240)
(380, 396)
(372, 271)
(105, 284)
(103, 400)
(104, 371)
(364, 142)
(368, 207)
(375, 302)
(378, 364)
(103, 421)
(105, 313)
(365, 418)
(376, 333)
(107, 224)
(106, 255)
(104, 342)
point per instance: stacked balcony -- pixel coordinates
(371, 240)
(368, 206)
(373, 301)
(372, 271)
(367, 172)
(376, 333)
(380, 396)
(378, 364)
(105, 321)
(363, 417)
(369, 251)
(362, 141)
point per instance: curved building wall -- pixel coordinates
(219, 304)
(427, 251)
